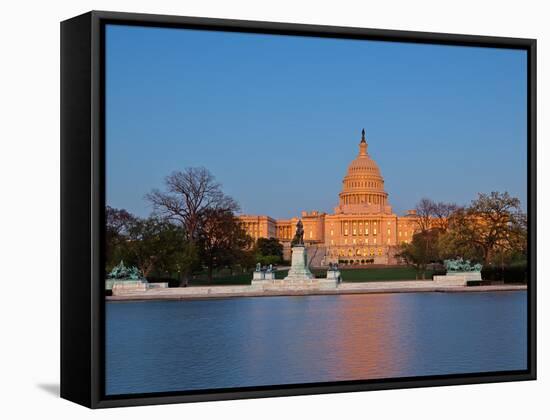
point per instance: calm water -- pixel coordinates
(189, 345)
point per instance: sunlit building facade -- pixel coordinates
(362, 229)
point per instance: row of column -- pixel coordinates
(363, 198)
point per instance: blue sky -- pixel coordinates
(277, 119)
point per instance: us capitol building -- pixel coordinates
(362, 230)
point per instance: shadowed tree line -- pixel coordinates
(192, 229)
(491, 230)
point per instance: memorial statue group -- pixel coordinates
(460, 265)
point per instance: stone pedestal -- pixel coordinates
(456, 278)
(332, 280)
(269, 275)
(258, 275)
(120, 287)
(333, 275)
(258, 279)
(163, 285)
(299, 270)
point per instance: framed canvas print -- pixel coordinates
(254, 209)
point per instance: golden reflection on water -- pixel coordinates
(366, 337)
(344, 337)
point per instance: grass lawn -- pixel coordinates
(348, 275)
(222, 280)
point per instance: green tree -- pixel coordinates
(268, 251)
(117, 222)
(421, 251)
(493, 224)
(154, 244)
(222, 239)
(186, 260)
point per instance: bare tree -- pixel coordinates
(434, 215)
(425, 213)
(187, 196)
(442, 212)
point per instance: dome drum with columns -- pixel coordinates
(362, 230)
(363, 186)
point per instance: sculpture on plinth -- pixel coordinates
(459, 273)
(299, 269)
(121, 272)
(298, 239)
(127, 278)
(459, 265)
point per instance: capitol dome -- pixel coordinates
(363, 185)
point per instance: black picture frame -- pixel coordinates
(83, 203)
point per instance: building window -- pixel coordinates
(389, 241)
(354, 232)
(374, 241)
(374, 231)
(345, 241)
(399, 233)
(345, 231)
(332, 241)
(354, 242)
(389, 231)
(331, 232)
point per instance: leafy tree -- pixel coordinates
(492, 224)
(421, 251)
(186, 260)
(222, 239)
(451, 246)
(268, 259)
(269, 251)
(154, 244)
(117, 222)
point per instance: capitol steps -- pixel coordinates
(316, 254)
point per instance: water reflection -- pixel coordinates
(172, 346)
